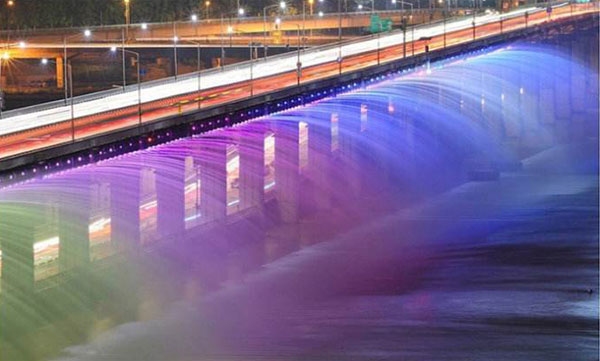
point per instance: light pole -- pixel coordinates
(282, 6)
(175, 39)
(69, 80)
(251, 46)
(139, 79)
(207, 9)
(5, 56)
(123, 58)
(339, 59)
(298, 63)
(194, 19)
(86, 33)
(127, 16)
(198, 64)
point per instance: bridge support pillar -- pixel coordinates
(73, 226)
(170, 196)
(213, 180)
(252, 167)
(18, 307)
(125, 209)
(323, 139)
(287, 171)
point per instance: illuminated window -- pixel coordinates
(233, 179)
(192, 192)
(335, 132)
(363, 117)
(303, 144)
(148, 206)
(45, 258)
(100, 222)
(269, 184)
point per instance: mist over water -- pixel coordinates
(448, 213)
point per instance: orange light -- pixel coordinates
(10, 3)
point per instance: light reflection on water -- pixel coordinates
(419, 218)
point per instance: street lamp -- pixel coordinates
(86, 33)
(127, 16)
(69, 79)
(5, 57)
(198, 62)
(282, 6)
(139, 79)
(251, 46)
(207, 7)
(175, 40)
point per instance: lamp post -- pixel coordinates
(207, 9)
(339, 59)
(198, 63)
(282, 6)
(139, 79)
(127, 16)
(175, 40)
(298, 63)
(5, 56)
(123, 58)
(251, 46)
(69, 79)
(86, 33)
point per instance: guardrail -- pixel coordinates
(58, 31)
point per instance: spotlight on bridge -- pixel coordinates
(241, 11)
(278, 21)
(360, 6)
(87, 33)
(175, 39)
(320, 14)
(22, 44)
(5, 55)
(113, 49)
(44, 61)
(282, 4)
(144, 26)
(194, 17)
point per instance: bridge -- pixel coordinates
(268, 30)
(225, 95)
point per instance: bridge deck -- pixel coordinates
(39, 127)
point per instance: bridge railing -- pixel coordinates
(200, 22)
